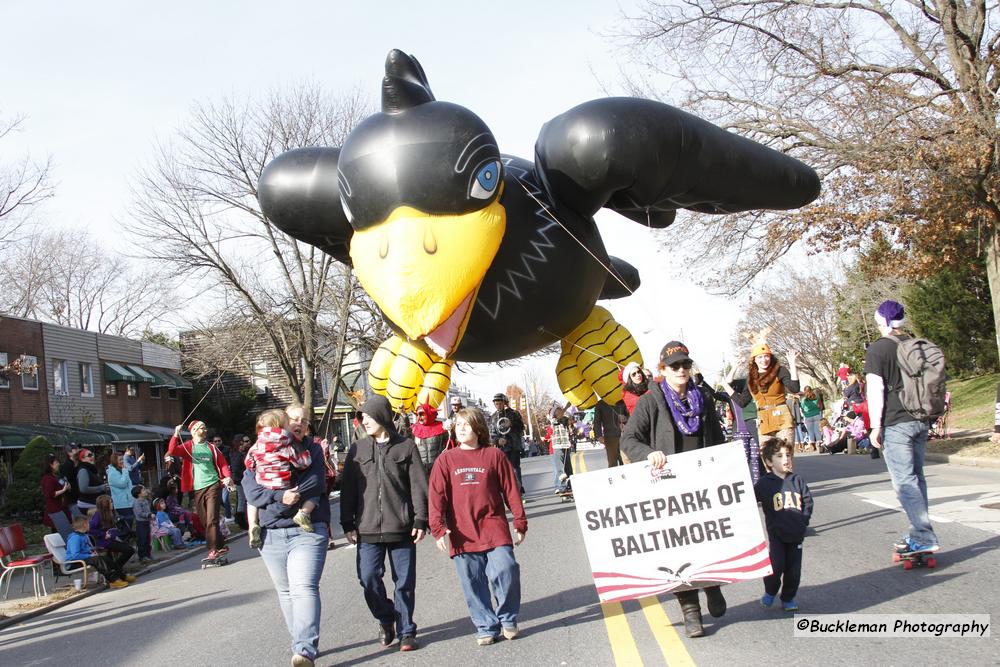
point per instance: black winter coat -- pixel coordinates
(651, 426)
(383, 493)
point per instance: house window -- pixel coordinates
(110, 389)
(86, 380)
(29, 372)
(4, 372)
(154, 392)
(60, 383)
(172, 394)
(133, 389)
(258, 375)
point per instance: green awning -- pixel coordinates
(161, 381)
(118, 373)
(142, 373)
(179, 380)
(12, 437)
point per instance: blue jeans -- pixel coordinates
(903, 446)
(143, 541)
(478, 572)
(295, 561)
(226, 508)
(371, 571)
(812, 428)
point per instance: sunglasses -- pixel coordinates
(677, 365)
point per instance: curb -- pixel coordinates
(955, 459)
(176, 558)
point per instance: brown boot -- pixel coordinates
(716, 601)
(692, 613)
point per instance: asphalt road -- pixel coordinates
(228, 616)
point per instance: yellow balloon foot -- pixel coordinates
(408, 376)
(592, 356)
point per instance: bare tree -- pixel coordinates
(802, 316)
(895, 103)
(68, 278)
(24, 184)
(196, 211)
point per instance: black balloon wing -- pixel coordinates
(646, 159)
(299, 193)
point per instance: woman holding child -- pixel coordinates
(295, 557)
(675, 416)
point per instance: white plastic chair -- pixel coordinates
(57, 547)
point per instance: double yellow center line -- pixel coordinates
(623, 646)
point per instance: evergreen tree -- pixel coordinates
(952, 308)
(24, 495)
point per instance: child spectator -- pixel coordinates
(141, 510)
(162, 525)
(78, 547)
(104, 530)
(788, 505)
(858, 430)
(469, 486)
(272, 459)
(179, 516)
(834, 441)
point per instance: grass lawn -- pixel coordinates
(972, 402)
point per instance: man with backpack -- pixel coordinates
(905, 378)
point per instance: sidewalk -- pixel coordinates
(23, 605)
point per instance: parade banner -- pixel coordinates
(691, 524)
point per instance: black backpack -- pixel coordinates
(921, 367)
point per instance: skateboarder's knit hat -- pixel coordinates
(891, 314)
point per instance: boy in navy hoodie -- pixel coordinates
(78, 547)
(788, 505)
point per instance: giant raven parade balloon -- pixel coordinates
(474, 255)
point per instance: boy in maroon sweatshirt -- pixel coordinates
(468, 488)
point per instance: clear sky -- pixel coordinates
(100, 82)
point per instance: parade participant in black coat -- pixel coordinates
(674, 416)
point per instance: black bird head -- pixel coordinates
(420, 183)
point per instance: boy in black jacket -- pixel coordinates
(788, 505)
(383, 509)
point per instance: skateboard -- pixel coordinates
(912, 559)
(566, 497)
(218, 561)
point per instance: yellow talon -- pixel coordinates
(592, 355)
(408, 376)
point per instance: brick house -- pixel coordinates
(97, 390)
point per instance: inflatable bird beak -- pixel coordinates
(424, 270)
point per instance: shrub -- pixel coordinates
(24, 495)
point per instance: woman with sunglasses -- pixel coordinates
(90, 480)
(675, 416)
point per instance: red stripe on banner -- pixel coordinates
(607, 588)
(756, 550)
(622, 575)
(746, 568)
(640, 594)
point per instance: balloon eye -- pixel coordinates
(486, 181)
